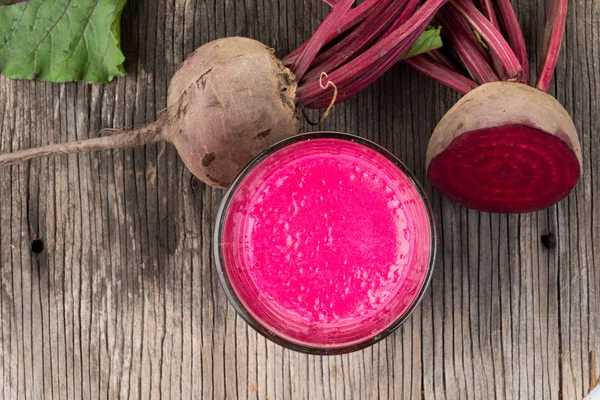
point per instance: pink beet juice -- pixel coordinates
(325, 243)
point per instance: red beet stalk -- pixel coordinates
(319, 38)
(499, 47)
(487, 8)
(362, 81)
(440, 58)
(360, 38)
(442, 73)
(359, 82)
(487, 58)
(511, 51)
(472, 54)
(355, 75)
(515, 36)
(555, 28)
(349, 21)
(410, 9)
(381, 24)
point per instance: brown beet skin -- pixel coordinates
(230, 100)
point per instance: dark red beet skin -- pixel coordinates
(509, 169)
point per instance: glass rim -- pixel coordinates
(238, 305)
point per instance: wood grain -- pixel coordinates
(124, 301)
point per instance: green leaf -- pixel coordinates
(61, 40)
(429, 40)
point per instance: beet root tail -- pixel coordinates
(149, 134)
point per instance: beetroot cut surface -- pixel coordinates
(509, 169)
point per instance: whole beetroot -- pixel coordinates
(215, 119)
(218, 120)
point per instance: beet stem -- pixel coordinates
(553, 37)
(386, 49)
(440, 58)
(472, 54)
(494, 39)
(442, 74)
(319, 38)
(361, 81)
(487, 8)
(352, 18)
(149, 134)
(409, 10)
(364, 35)
(515, 36)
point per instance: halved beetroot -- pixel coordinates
(505, 147)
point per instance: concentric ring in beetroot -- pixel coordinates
(508, 169)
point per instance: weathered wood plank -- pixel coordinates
(124, 302)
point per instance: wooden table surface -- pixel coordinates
(124, 300)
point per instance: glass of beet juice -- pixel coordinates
(325, 243)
